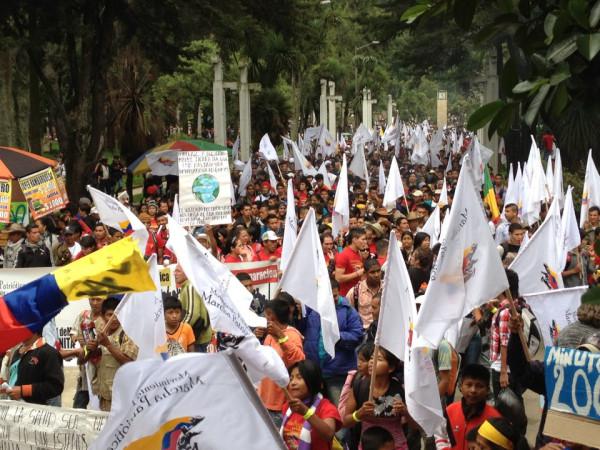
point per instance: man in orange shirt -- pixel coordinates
(287, 342)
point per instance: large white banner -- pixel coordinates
(204, 188)
(11, 279)
(26, 426)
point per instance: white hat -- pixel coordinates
(269, 236)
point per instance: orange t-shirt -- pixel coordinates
(184, 336)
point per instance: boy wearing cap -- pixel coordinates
(69, 249)
(271, 250)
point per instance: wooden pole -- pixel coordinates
(372, 382)
(513, 310)
(580, 262)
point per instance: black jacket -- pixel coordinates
(33, 256)
(40, 368)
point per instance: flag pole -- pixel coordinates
(372, 381)
(513, 311)
(580, 262)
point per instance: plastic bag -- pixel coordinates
(511, 406)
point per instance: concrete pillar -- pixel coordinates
(199, 118)
(332, 110)
(219, 104)
(370, 110)
(442, 109)
(323, 103)
(390, 110)
(365, 108)
(245, 126)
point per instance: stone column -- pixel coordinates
(245, 126)
(323, 103)
(390, 110)
(365, 108)
(219, 113)
(332, 110)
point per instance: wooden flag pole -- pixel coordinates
(372, 382)
(580, 262)
(513, 311)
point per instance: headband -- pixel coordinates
(489, 432)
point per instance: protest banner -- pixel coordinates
(19, 212)
(42, 193)
(204, 188)
(11, 279)
(27, 426)
(572, 386)
(5, 192)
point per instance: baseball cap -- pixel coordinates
(269, 236)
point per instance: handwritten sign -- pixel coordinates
(35, 427)
(573, 381)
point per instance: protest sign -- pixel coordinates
(572, 386)
(26, 426)
(19, 212)
(264, 275)
(42, 193)
(11, 279)
(204, 188)
(5, 192)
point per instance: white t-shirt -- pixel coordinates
(74, 249)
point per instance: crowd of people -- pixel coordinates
(328, 403)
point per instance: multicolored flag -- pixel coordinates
(489, 195)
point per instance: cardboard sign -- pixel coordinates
(42, 192)
(5, 194)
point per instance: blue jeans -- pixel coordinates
(473, 351)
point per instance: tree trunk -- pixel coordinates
(35, 116)
(7, 119)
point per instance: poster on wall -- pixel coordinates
(42, 193)
(5, 193)
(204, 188)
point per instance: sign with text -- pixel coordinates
(5, 193)
(573, 381)
(42, 193)
(264, 275)
(26, 426)
(204, 188)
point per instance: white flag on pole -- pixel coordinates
(235, 151)
(358, 166)
(142, 317)
(301, 163)
(538, 264)
(511, 195)
(323, 171)
(443, 201)
(591, 190)
(381, 181)
(114, 214)
(272, 179)
(569, 230)
(307, 280)
(433, 226)
(186, 402)
(245, 177)
(341, 204)
(549, 179)
(468, 271)
(176, 214)
(398, 308)
(558, 190)
(394, 189)
(291, 227)
(266, 149)
(555, 310)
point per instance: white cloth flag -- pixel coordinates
(142, 317)
(420, 152)
(535, 186)
(538, 264)
(394, 189)
(381, 181)
(235, 151)
(291, 227)
(468, 271)
(307, 280)
(266, 149)
(186, 402)
(555, 310)
(422, 394)
(360, 138)
(591, 190)
(358, 166)
(443, 201)
(569, 230)
(519, 189)
(114, 214)
(549, 179)
(245, 177)
(176, 214)
(449, 165)
(272, 179)
(228, 304)
(511, 195)
(326, 143)
(398, 308)
(558, 190)
(341, 204)
(433, 226)
(326, 178)
(163, 163)
(300, 161)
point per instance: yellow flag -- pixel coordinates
(114, 269)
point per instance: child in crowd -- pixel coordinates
(377, 438)
(180, 336)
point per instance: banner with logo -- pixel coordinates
(42, 193)
(204, 188)
(5, 192)
(264, 275)
(27, 426)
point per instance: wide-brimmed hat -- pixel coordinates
(15, 228)
(382, 212)
(413, 216)
(375, 228)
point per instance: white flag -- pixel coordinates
(558, 190)
(142, 317)
(468, 271)
(535, 180)
(555, 310)
(266, 149)
(569, 230)
(443, 201)
(538, 264)
(176, 214)
(326, 143)
(114, 214)
(186, 402)
(301, 163)
(549, 179)
(591, 190)
(291, 227)
(511, 195)
(394, 189)
(433, 226)
(235, 151)
(307, 280)
(272, 179)
(398, 308)
(381, 180)
(245, 177)
(358, 166)
(341, 204)
(323, 171)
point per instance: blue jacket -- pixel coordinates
(351, 334)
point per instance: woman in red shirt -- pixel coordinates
(308, 410)
(238, 253)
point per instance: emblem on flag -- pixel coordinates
(549, 277)
(469, 262)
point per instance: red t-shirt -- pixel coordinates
(459, 425)
(291, 431)
(264, 256)
(350, 261)
(548, 141)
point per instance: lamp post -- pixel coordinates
(356, 49)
